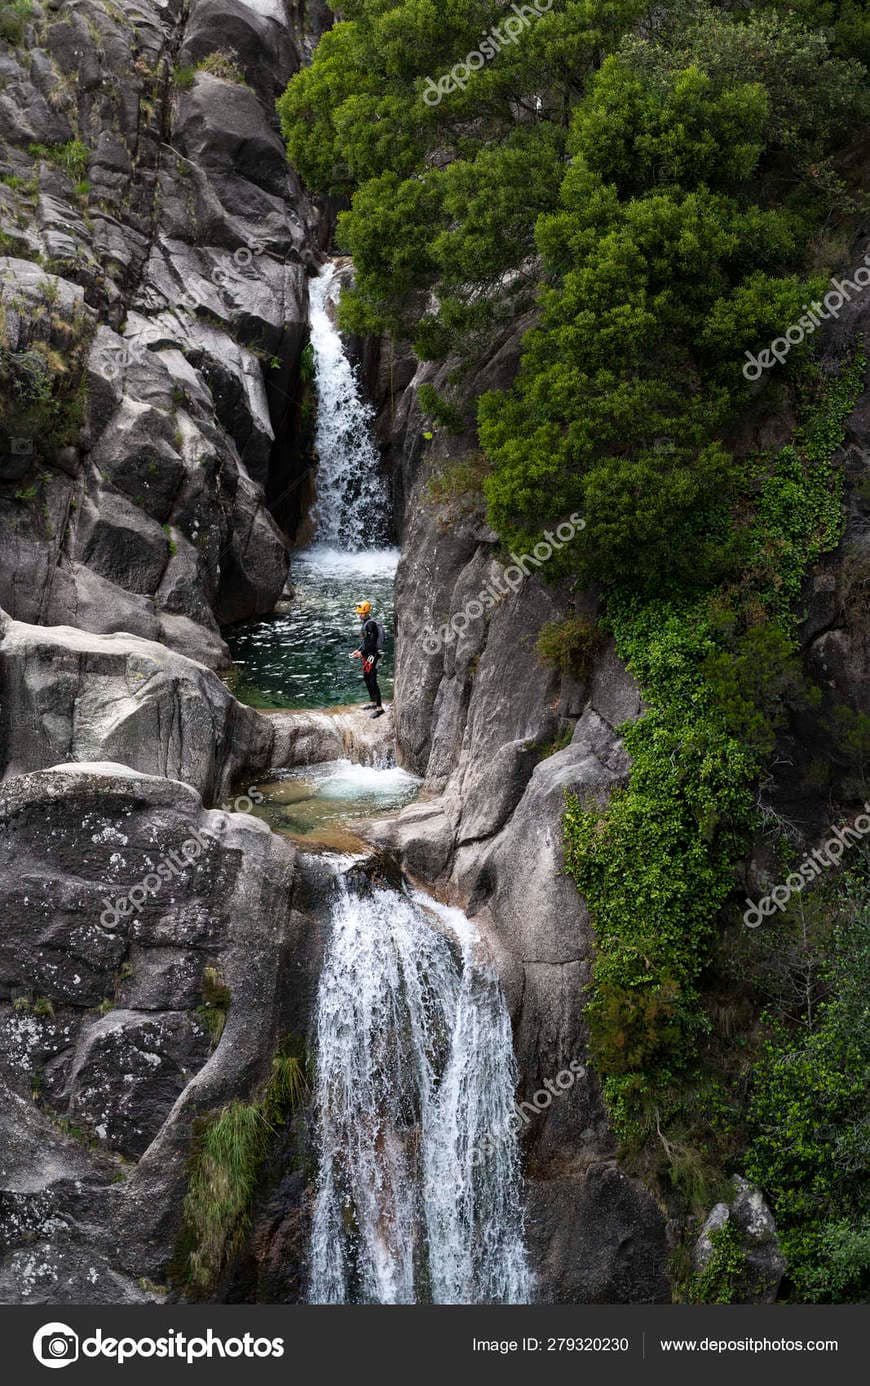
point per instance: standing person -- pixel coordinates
(370, 650)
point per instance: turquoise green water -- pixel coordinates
(301, 657)
(318, 804)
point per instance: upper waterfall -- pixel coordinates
(351, 510)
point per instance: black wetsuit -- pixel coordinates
(369, 650)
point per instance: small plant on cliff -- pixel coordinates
(73, 157)
(223, 65)
(459, 483)
(14, 14)
(43, 382)
(724, 1278)
(439, 409)
(229, 1151)
(306, 364)
(570, 645)
(215, 1003)
(183, 77)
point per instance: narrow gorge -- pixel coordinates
(455, 1005)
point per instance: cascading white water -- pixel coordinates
(301, 658)
(414, 1055)
(414, 1067)
(351, 510)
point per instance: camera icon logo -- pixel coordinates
(55, 1345)
(21, 447)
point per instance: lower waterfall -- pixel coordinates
(415, 1067)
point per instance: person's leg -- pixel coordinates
(374, 691)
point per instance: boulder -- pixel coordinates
(68, 695)
(596, 1239)
(749, 1215)
(99, 1099)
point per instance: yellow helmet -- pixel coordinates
(363, 609)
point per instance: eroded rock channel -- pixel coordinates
(210, 879)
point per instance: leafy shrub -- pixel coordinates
(809, 1115)
(659, 864)
(754, 683)
(724, 1278)
(445, 414)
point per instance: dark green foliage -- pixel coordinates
(444, 194)
(809, 1115)
(658, 866)
(439, 409)
(43, 384)
(306, 365)
(14, 14)
(755, 682)
(183, 77)
(669, 260)
(724, 1279)
(847, 21)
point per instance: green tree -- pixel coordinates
(666, 262)
(444, 195)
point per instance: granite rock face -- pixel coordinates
(106, 1056)
(155, 248)
(71, 696)
(500, 738)
(66, 695)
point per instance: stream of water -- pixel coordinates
(351, 510)
(413, 1047)
(300, 656)
(414, 1067)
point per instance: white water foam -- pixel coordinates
(336, 563)
(351, 510)
(343, 779)
(414, 1066)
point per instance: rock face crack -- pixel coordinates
(170, 211)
